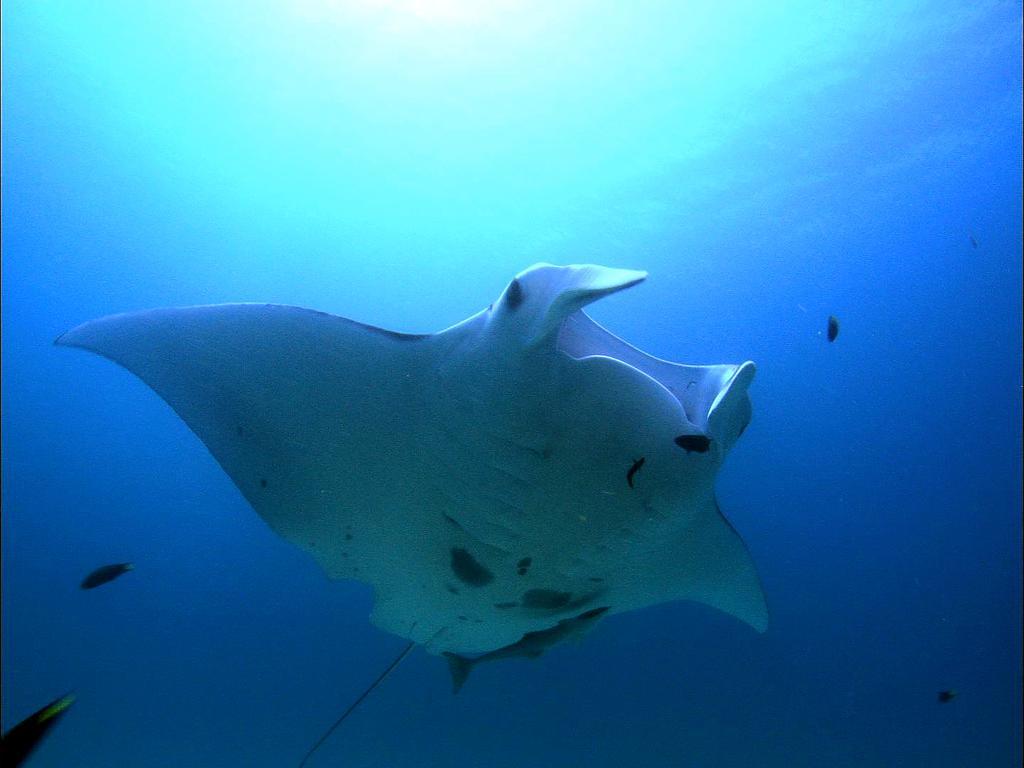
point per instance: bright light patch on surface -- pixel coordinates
(436, 10)
(446, 117)
(426, 11)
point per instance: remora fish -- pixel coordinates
(532, 645)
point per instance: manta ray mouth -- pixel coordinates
(713, 398)
(580, 337)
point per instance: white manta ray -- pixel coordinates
(517, 470)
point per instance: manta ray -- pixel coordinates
(498, 484)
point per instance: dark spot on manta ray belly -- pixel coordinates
(468, 570)
(263, 482)
(514, 294)
(524, 565)
(546, 598)
(634, 469)
(698, 443)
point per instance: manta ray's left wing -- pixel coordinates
(302, 409)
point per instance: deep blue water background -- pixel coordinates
(397, 163)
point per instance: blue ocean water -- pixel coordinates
(397, 162)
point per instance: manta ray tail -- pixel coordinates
(460, 667)
(380, 679)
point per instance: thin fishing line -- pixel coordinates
(357, 702)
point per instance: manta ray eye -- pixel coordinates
(514, 295)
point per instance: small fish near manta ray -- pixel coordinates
(531, 646)
(21, 741)
(494, 508)
(105, 574)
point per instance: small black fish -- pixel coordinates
(634, 469)
(698, 443)
(833, 327)
(946, 696)
(18, 743)
(104, 574)
(974, 243)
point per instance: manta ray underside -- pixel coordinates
(517, 470)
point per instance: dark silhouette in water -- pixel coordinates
(974, 243)
(105, 573)
(946, 696)
(833, 327)
(19, 742)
